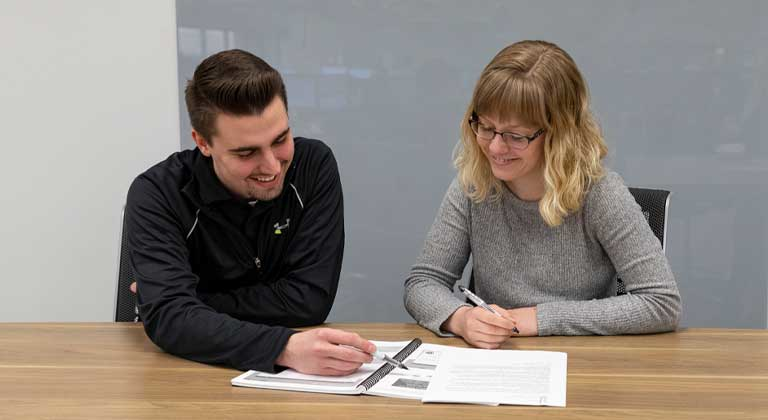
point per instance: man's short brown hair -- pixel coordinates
(233, 82)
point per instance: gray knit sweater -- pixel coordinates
(568, 272)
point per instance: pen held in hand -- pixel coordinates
(481, 303)
(394, 362)
(381, 356)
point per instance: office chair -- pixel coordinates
(125, 300)
(655, 207)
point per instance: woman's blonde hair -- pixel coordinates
(539, 83)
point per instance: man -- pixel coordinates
(238, 240)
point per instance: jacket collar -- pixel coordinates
(209, 188)
(206, 190)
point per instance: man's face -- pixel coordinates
(251, 154)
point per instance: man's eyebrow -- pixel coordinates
(281, 135)
(252, 148)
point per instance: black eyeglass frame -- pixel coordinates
(474, 120)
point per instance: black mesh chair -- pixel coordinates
(125, 300)
(655, 206)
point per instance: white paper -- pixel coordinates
(401, 383)
(413, 382)
(292, 380)
(499, 377)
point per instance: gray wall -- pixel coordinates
(679, 87)
(87, 101)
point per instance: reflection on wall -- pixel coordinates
(679, 88)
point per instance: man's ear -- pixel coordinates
(201, 143)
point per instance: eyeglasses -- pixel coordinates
(513, 140)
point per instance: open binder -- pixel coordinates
(361, 382)
(439, 373)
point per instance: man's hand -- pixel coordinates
(526, 320)
(326, 351)
(481, 328)
(133, 287)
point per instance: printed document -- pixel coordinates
(499, 377)
(439, 374)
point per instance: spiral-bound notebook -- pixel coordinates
(439, 374)
(361, 382)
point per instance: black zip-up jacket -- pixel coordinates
(221, 280)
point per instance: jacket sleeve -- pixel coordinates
(652, 303)
(304, 293)
(173, 315)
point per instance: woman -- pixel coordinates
(547, 226)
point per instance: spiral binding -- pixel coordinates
(386, 368)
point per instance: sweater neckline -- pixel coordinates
(511, 199)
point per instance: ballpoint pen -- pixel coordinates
(481, 303)
(381, 356)
(394, 362)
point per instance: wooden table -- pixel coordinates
(111, 370)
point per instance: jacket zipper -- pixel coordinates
(253, 259)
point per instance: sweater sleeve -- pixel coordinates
(652, 303)
(429, 287)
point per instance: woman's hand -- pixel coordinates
(526, 320)
(481, 328)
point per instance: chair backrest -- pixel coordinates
(125, 300)
(655, 207)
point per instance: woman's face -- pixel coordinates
(521, 170)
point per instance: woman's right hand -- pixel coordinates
(479, 327)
